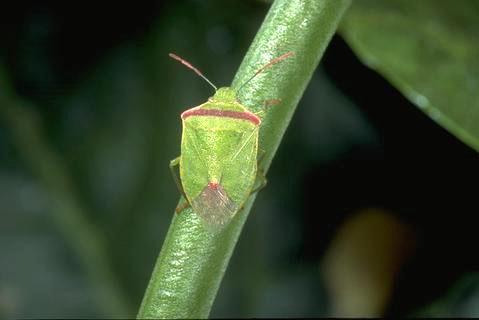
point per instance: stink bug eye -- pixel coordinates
(219, 152)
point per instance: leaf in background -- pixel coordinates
(429, 50)
(461, 301)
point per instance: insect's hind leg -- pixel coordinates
(186, 204)
(174, 163)
(262, 183)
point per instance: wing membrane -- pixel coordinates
(214, 205)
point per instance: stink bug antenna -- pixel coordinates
(190, 66)
(266, 66)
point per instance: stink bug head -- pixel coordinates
(224, 94)
(224, 99)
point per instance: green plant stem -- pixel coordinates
(193, 260)
(66, 211)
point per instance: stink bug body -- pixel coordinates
(219, 148)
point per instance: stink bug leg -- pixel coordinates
(263, 181)
(271, 102)
(266, 105)
(174, 163)
(183, 206)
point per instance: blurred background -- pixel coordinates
(368, 210)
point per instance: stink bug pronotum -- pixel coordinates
(219, 152)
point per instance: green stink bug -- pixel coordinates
(219, 149)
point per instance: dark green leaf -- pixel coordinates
(429, 50)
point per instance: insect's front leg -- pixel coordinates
(174, 163)
(266, 105)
